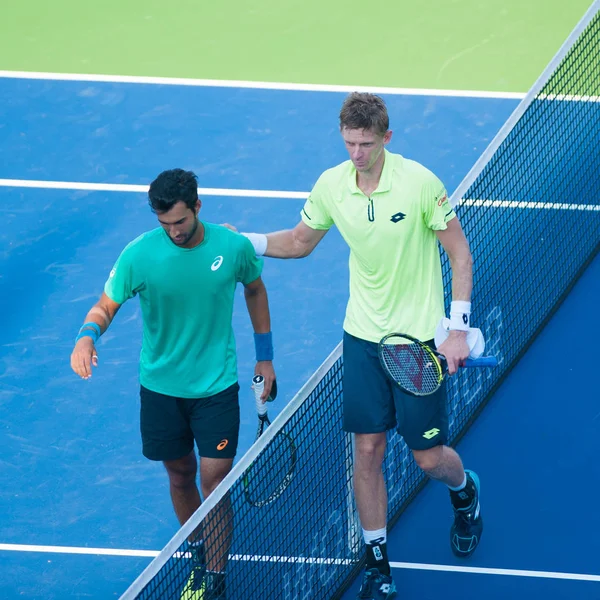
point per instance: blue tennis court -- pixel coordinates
(84, 512)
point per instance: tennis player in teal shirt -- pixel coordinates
(185, 274)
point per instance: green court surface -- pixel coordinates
(495, 45)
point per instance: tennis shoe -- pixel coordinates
(376, 586)
(467, 528)
(195, 587)
(204, 586)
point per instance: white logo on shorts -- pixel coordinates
(217, 263)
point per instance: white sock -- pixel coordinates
(379, 535)
(460, 487)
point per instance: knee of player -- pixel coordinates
(370, 448)
(428, 460)
(208, 485)
(182, 476)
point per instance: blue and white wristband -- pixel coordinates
(460, 315)
(90, 329)
(263, 345)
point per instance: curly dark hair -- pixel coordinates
(171, 187)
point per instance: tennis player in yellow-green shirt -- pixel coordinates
(391, 211)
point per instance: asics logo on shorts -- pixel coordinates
(216, 263)
(222, 444)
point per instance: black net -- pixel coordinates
(532, 217)
(308, 540)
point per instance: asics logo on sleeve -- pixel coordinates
(216, 263)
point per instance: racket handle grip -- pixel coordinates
(484, 361)
(258, 385)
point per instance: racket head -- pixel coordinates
(271, 473)
(416, 368)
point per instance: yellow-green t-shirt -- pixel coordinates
(395, 269)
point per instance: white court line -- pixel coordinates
(154, 553)
(305, 560)
(488, 571)
(259, 85)
(77, 550)
(294, 87)
(122, 187)
(237, 193)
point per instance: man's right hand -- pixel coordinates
(83, 357)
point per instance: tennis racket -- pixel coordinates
(273, 469)
(416, 367)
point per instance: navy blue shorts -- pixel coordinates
(170, 425)
(374, 404)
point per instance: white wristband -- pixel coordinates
(460, 315)
(259, 241)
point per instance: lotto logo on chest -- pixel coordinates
(399, 216)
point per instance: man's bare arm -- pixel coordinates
(288, 243)
(103, 312)
(294, 243)
(257, 302)
(84, 355)
(455, 244)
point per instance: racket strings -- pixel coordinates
(413, 366)
(271, 472)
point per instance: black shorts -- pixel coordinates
(170, 425)
(374, 404)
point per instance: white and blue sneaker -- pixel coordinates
(376, 586)
(467, 528)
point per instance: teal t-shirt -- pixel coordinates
(186, 297)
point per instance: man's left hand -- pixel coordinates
(265, 368)
(455, 349)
